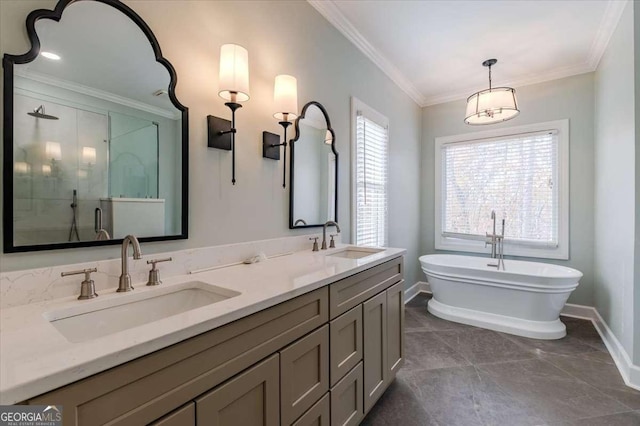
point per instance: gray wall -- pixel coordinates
(329, 69)
(570, 98)
(615, 175)
(636, 290)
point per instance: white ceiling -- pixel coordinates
(433, 50)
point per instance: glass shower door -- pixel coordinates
(133, 157)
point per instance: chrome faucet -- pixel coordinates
(324, 232)
(125, 278)
(493, 236)
(497, 243)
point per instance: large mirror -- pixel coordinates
(314, 170)
(95, 141)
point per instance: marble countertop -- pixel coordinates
(35, 358)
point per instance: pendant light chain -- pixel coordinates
(489, 77)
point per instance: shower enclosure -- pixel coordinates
(68, 160)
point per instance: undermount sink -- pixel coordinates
(355, 252)
(134, 310)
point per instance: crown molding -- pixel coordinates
(608, 24)
(330, 11)
(97, 93)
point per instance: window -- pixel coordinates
(520, 173)
(370, 155)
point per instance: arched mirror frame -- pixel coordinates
(292, 164)
(8, 61)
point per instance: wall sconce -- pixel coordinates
(46, 170)
(234, 87)
(89, 155)
(21, 168)
(53, 151)
(285, 100)
(328, 138)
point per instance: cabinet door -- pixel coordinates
(184, 416)
(249, 399)
(375, 349)
(395, 328)
(346, 343)
(347, 400)
(304, 374)
(318, 415)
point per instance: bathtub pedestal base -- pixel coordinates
(546, 330)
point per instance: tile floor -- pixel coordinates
(456, 374)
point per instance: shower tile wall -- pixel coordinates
(44, 183)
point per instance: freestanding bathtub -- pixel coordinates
(525, 299)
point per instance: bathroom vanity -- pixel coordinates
(309, 338)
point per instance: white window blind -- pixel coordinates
(514, 175)
(371, 182)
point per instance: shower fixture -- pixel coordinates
(39, 113)
(74, 224)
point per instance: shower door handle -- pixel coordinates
(97, 219)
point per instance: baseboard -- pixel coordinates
(630, 373)
(414, 290)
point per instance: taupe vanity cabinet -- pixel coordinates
(323, 358)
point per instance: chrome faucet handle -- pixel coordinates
(154, 273)
(315, 243)
(332, 243)
(87, 287)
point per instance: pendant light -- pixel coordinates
(492, 105)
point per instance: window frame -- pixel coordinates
(382, 120)
(561, 251)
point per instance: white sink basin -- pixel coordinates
(134, 310)
(355, 252)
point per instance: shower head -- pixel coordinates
(39, 113)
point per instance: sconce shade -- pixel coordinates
(46, 170)
(285, 97)
(234, 73)
(491, 106)
(21, 167)
(88, 155)
(53, 151)
(328, 138)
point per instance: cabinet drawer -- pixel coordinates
(346, 343)
(249, 399)
(349, 292)
(184, 416)
(318, 415)
(149, 387)
(347, 405)
(304, 374)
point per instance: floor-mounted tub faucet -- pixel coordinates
(497, 243)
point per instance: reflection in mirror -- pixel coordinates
(313, 169)
(97, 139)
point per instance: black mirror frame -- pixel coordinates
(292, 164)
(8, 62)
